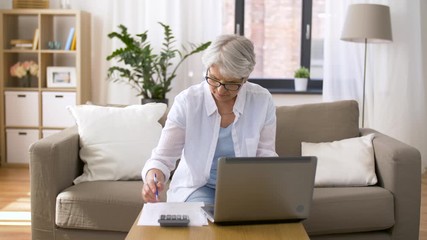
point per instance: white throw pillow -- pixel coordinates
(115, 142)
(349, 162)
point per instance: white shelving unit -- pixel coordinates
(29, 113)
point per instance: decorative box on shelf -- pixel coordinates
(48, 132)
(22, 108)
(18, 142)
(55, 113)
(30, 3)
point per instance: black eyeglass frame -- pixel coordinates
(219, 84)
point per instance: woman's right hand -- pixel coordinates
(151, 190)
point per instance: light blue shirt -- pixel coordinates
(224, 148)
(192, 129)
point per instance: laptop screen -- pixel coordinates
(264, 188)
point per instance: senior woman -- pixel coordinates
(223, 116)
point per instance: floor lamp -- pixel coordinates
(367, 23)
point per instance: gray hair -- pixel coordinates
(232, 54)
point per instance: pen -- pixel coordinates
(157, 190)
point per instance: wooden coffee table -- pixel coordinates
(283, 231)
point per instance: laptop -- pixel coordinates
(259, 189)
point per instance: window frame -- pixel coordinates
(285, 85)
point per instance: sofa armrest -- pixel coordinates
(54, 164)
(399, 170)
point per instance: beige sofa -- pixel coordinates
(107, 209)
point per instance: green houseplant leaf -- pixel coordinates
(302, 72)
(150, 73)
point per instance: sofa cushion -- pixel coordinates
(319, 122)
(116, 141)
(350, 210)
(99, 205)
(348, 162)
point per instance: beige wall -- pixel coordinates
(423, 8)
(5, 4)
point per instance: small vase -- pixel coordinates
(25, 81)
(64, 4)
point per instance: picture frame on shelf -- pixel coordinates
(61, 77)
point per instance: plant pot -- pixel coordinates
(301, 84)
(150, 100)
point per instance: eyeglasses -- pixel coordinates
(216, 83)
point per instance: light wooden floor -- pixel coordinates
(15, 205)
(15, 219)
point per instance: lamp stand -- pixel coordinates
(364, 84)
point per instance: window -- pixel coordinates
(286, 34)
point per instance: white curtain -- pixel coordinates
(192, 21)
(396, 101)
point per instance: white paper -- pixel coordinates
(151, 212)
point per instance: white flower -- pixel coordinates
(20, 70)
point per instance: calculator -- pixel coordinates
(174, 220)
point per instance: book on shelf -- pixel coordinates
(36, 39)
(20, 41)
(21, 44)
(73, 43)
(69, 39)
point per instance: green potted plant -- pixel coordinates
(146, 71)
(301, 79)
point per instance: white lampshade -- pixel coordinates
(370, 22)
